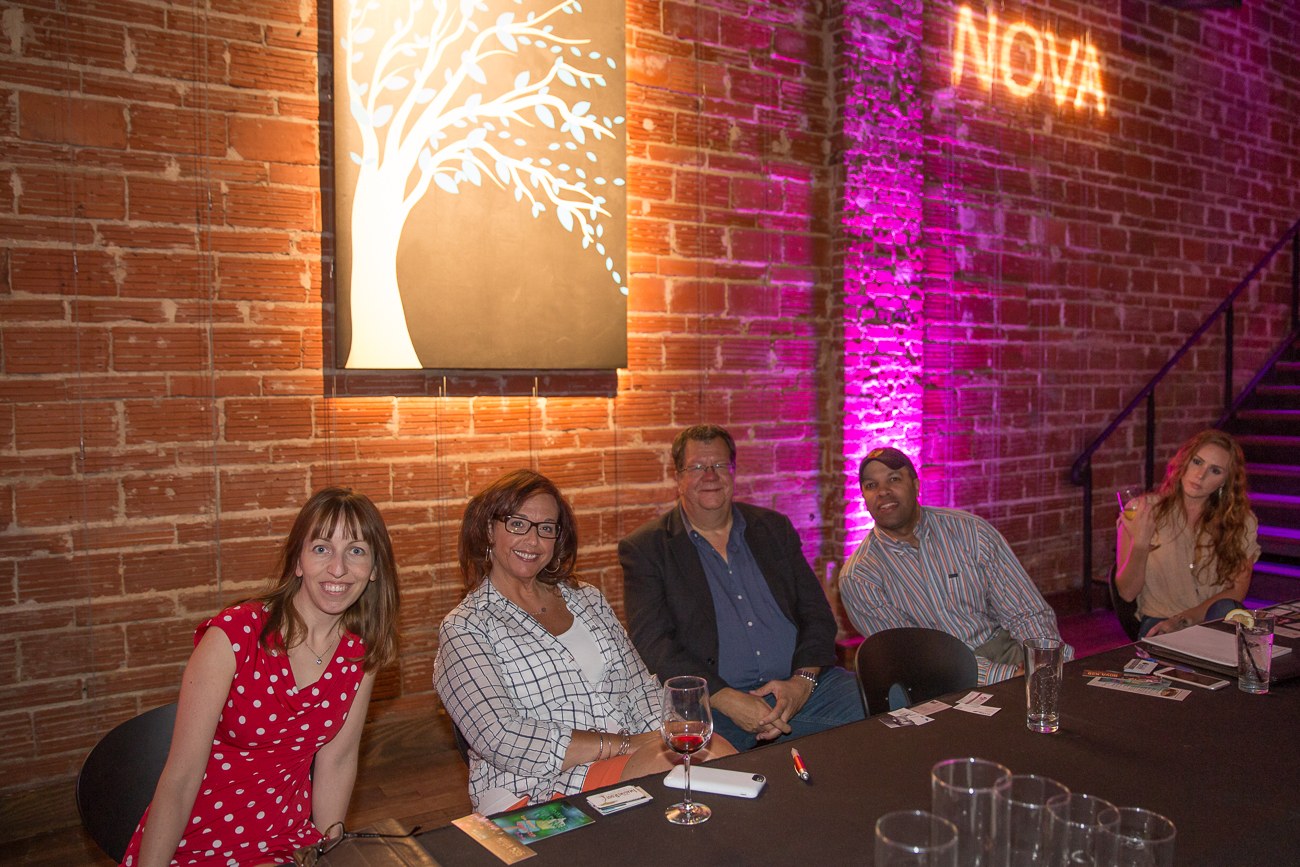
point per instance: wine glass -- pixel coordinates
(687, 727)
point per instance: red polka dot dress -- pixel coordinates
(254, 804)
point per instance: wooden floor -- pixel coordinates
(410, 769)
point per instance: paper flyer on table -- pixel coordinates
(543, 820)
(1159, 690)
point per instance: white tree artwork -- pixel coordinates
(448, 98)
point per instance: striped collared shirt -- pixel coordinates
(963, 579)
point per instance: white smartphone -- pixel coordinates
(740, 784)
(1195, 678)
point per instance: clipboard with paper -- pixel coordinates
(1213, 646)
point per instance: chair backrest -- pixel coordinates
(461, 744)
(924, 663)
(1126, 611)
(118, 778)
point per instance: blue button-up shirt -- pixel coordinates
(755, 639)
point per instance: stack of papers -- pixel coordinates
(1201, 642)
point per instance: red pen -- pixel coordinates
(800, 769)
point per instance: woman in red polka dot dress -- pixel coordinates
(273, 684)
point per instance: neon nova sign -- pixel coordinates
(1048, 66)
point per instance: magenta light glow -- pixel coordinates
(881, 226)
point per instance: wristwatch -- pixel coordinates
(808, 674)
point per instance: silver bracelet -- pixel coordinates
(600, 752)
(808, 677)
(626, 743)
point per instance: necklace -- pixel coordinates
(319, 656)
(535, 614)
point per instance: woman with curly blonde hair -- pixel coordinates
(1186, 552)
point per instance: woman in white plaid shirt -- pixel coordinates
(533, 665)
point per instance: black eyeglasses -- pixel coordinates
(309, 856)
(520, 527)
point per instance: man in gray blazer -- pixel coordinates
(722, 590)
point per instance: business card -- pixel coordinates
(622, 798)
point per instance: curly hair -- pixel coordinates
(1223, 521)
(504, 497)
(373, 617)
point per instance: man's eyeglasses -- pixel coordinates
(520, 527)
(722, 468)
(309, 856)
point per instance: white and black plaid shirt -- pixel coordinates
(516, 693)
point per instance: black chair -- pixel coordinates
(117, 779)
(924, 663)
(1127, 612)
(461, 744)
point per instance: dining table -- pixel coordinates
(1222, 764)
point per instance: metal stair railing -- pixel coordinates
(1081, 470)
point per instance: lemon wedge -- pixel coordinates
(1240, 615)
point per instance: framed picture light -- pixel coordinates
(480, 198)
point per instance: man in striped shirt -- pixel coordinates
(941, 569)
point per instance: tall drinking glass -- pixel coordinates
(1043, 660)
(1134, 837)
(915, 838)
(1074, 828)
(687, 726)
(962, 791)
(1255, 653)
(1023, 829)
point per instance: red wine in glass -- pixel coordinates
(682, 740)
(687, 727)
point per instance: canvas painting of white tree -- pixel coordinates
(480, 199)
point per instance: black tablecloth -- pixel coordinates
(1223, 765)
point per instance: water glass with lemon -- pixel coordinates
(1254, 648)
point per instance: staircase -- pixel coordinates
(1267, 425)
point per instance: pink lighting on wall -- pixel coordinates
(881, 224)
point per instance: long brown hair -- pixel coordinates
(501, 498)
(373, 617)
(1223, 521)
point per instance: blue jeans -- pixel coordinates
(834, 702)
(1217, 611)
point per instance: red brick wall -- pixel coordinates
(1012, 272)
(1069, 252)
(168, 392)
(164, 308)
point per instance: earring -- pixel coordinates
(487, 556)
(552, 569)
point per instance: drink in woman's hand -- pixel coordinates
(1128, 500)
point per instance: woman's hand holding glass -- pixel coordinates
(1136, 517)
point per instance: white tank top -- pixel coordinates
(580, 642)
